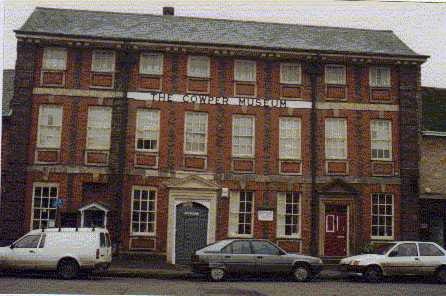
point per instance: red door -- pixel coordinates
(335, 231)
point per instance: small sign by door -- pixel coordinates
(263, 215)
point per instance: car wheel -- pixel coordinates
(441, 275)
(217, 274)
(373, 274)
(301, 273)
(67, 269)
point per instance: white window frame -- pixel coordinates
(250, 155)
(148, 189)
(42, 126)
(94, 66)
(385, 237)
(188, 116)
(48, 54)
(148, 55)
(234, 217)
(139, 129)
(373, 71)
(42, 184)
(343, 78)
(89, 129)
(190, 72)
(296, 139)
(373, 141)
(284, 80)
(281, 215)
(239, 63)
(328, 138)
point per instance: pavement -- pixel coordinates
(47, 284)
(155, 267)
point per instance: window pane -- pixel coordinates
(242, 136)
(336, 138)
(241, 247)
(143, 212)
(99, 128)
(334, 74)
(151, 63)
(54, 58)
(429, 250)
(103, 61)
(50, 126)
(147, 129)
(290, 73)
(289, 138)
(196, 132)
(245, 71)
(199, 66)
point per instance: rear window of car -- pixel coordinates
(215, 247)
(102, 242)
(429, 250)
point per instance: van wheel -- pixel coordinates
(67, 269)
(217, 274)
(301, 273)
(441, 275)
(373, 274)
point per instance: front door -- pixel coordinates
(335, 230)
(191, 230)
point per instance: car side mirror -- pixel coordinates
(11, 246)
(393, 254)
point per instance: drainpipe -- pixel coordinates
(314, 70)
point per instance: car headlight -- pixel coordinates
(355, 262)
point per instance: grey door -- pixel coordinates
(191, 231)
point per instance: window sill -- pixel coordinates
(289, 237)
(148, 234)
(382, 238)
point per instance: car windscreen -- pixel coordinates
(215, 247)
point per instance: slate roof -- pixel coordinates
(8, 91)
(205, 31)
(434, 109)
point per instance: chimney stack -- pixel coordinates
(168, 10)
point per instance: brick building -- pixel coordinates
(174, 132)
(433, 166)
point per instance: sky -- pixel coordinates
(420, 24)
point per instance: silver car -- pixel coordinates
(252, 256)
(400, 258)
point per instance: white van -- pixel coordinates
(66, 250)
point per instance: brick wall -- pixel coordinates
(122, 174)
(433, 164)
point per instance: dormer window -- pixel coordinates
(54, 64)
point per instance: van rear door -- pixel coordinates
(104, 247)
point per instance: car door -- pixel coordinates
(403, 260)
(430, 256)
(24, 252)
(269, 258)
(238, 257)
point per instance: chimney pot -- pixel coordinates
(168, 10)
